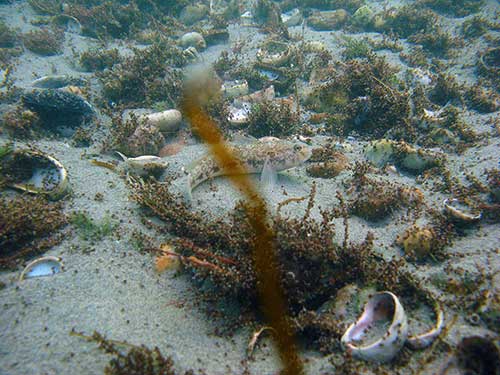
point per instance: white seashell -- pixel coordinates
(423, 340)
(238, 116)
(44, 266)
(460, 212)
(383, 306)
(167, 121)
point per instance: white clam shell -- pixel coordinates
(423, 340)
(382, 306)
(44, 266)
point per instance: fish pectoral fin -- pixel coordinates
(269, 176)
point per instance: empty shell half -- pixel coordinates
(381, 331)
(460, 212)
(44, 266)
(37, 173)
(423, 340)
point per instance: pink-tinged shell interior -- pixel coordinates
(379, 307)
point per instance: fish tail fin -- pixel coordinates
(121, 155)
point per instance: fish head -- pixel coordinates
(284, 154)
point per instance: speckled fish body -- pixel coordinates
(279, 155)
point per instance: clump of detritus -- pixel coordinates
(405, 21)
(436, 42)
(368, 96)
(148, 76)
(476, 26)
(374, 199)
(20, 122)
(456, 8)
(27, 226)
(8, 36)
(44, 42)
(327, 162)
(94, 60)
(130, 359)
(219, 250)
(272, 119)
(268, 15)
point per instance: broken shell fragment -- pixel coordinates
(44, 266)
(460, 212)
(381, 331)
(423, 340)
(37, 173)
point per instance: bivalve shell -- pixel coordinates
(384, 308)
(37, 173)
(44, 266)
(460, 212)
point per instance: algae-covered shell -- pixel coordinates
(363, 16)
(460, 212)
(328, 20)
(383, 151)
(380, 308)
(274, 53)
(489, 61)
(44, 266)
(423, 340)
(193, 39)
(38, 173)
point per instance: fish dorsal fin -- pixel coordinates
(269, 176)
(122, 156)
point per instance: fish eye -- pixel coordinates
(297, 147)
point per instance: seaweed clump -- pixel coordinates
(147, 76)
(138, 360)
(366, 96)
(405, 21)
(457, 8)
(312, 267)
(27, 226)
(44, 42)
(272, 119)
(21, 122)
(375, 199)
(97, 60)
